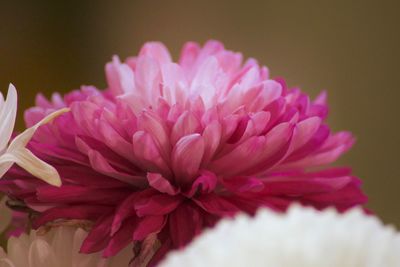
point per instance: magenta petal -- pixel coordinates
(148, 225)
(184, 223)
(314, 143)
(216, 205)
(205, 183)
(307, 185)
(90, 212)
(346, 197)
(158, 182)
(159, 204)
(99, 236)
(125, 210)
(243, 184)
(79, 194)
(120, 239)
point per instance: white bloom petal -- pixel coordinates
(8, 112)
(16, 151)
(59, 247)
(28, 161)
(303, 237)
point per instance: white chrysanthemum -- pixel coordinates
(15, 151)
(301, 238)
(57, 248)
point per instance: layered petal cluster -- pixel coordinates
(170, 148)
(15, 151)
(303, 237)
(58, 247)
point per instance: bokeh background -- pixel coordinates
(350, 48)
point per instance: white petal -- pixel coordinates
(8, 112)
(17, 153)
(35, 166)
(41, 254)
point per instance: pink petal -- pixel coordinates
(204, 184)
(156, 50)
(120, 77)
(158, 182)
(152, 124)
(304, 131)
(211, 136)
(237, 159)
(148, 154)
(186, 157)
(186, 124)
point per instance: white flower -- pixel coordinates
(301, 238)
(57, 248)
(16, 152)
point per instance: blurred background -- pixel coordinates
(350, 48)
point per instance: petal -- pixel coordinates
(157, 51)
(160, 204)
(8, 112)
(153, 125)
(80, 194)
(161, 184)
(28, 161)
(205, 183)
(238, 159)
(147, 226)
(184, 223)
(212, 137)
(17, 153)
(304, 131)
(124, 211)
(216, 205)
(148, 153)
(42, 254)
(186, 157)
(99, 235)
(120, 239)
(186, 124)
(120, 77)
(84, 212)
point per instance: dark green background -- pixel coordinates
(350, 48)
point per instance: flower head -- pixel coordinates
(170, 148)
(303, 237)
(15, 152)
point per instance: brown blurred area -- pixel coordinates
(350, 48)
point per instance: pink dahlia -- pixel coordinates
(170, 148)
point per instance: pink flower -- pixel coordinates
(170, 148)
